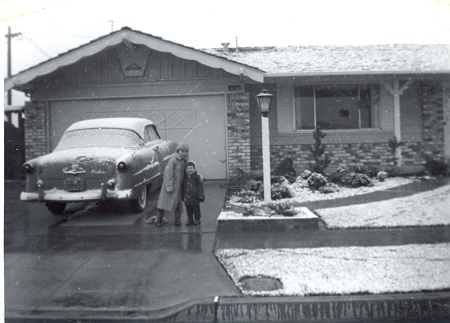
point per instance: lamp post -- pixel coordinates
(263, 100)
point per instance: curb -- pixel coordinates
(425, 307)
(305, 220)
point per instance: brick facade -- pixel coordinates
(376, 154)
(238, 133)
(433, 121)
(35, 130)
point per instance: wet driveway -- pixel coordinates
(95, 260)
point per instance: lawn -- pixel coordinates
(422, 209)
(353, 270)
(343, 270)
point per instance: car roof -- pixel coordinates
(134, 124)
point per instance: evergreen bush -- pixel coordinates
(435, 167)
(322, 161)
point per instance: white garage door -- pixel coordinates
(200, 121)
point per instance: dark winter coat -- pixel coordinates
(170, 194)
(193, 192)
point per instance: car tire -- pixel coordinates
(138, 205)
(56, 208)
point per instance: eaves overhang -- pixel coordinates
(349, 73)
(20, 80)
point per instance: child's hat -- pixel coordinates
(183, 146)
(191, 163)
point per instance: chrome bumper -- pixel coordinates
(64, 196)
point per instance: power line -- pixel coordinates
(37, 47)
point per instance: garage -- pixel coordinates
(190, 94)
(198, 120)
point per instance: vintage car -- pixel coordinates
(100, 160)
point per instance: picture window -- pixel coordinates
(336, 107)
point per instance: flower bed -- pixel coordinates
(246, 210)
(302, 193)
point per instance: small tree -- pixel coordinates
(321, 160)
(393, 145)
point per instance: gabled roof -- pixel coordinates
(368, 59)
(135, 37)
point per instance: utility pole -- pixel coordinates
(112, 25)
(9, 36)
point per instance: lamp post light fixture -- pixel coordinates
(264, 98)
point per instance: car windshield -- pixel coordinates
(119, 138)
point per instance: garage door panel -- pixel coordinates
(200, 121)
(180, 119)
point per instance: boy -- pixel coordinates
(193, 193)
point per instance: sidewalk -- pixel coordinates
(172, 274)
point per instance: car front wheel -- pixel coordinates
(138, 205)
(56, 208)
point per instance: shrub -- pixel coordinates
(248, 210)
(336, 176)
(273, 179)
(393, 144)
(356, 180)
(286, 169)
(372, 171)
(246, 196)
(316, 181)
(283, 208)
(279, 192)
(435, 167)
(329, 188)
(253, 185)
(317, 151)
(306, 173)
(381, 176)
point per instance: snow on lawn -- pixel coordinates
(302, 193)
(340, 271)
(422, 209)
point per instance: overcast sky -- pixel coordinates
(50, 27)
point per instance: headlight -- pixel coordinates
(28, 168)
(122, 166)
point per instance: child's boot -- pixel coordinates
(177, 219)
(160, 217)
(190, 220)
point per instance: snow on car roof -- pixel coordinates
(135, 124)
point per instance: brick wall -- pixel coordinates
(238, 132)
(433, 121)
(35, 130)
(373, 154)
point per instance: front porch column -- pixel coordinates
(396, 91)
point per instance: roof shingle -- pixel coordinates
(356, 58)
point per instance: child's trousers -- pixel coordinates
(193, 210)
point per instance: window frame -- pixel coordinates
(147, 138)
(359, 87)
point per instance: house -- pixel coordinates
(361, 96)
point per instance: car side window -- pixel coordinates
(151, 134)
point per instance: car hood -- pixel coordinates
(81, 162)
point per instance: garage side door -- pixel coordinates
(200, 121)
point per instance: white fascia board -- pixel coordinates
(63, 60)
(137, 38)
(412, 72)
(192, 54)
